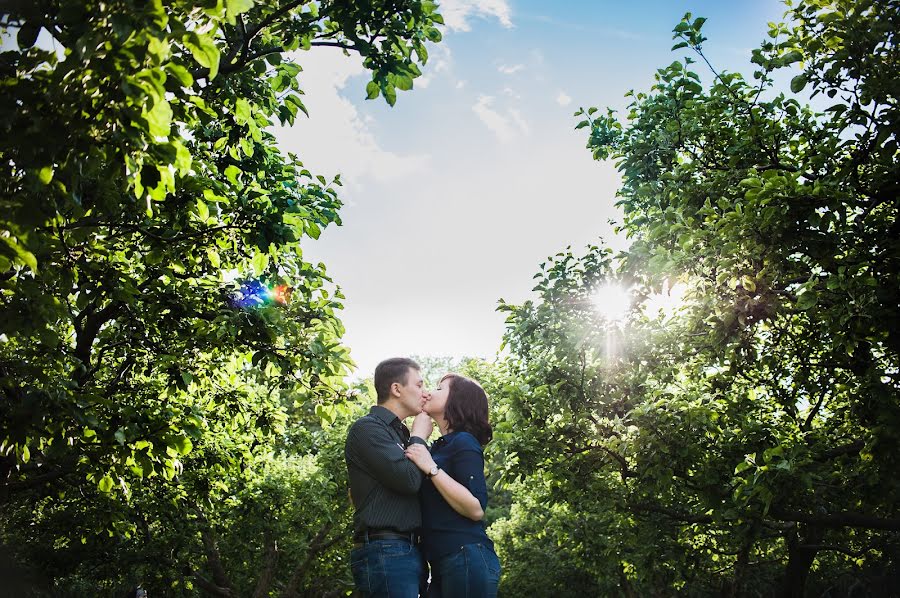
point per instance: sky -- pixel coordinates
(455, 195)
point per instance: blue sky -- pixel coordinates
(457, 193)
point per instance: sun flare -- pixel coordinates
(667, 302)
(612, 301)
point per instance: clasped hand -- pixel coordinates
(418, 454)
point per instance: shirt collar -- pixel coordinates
(384, 414)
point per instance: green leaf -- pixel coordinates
(213, 256)
(242, 111)
(260, 262)
(160, 119)
(183, 158)
(798, 83)
(390, 94)
(27, 35)
(235, 7)
(231, 173)
(45, 174)
(807, 299)
(182, 74)
(182, 444)
(202, 210)
(371, 90)
(120, 436)
(105, 484)
(204, 50)
(10, 248)
(247, 146)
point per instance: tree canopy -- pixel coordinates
(160, 329)
(173, 384)
(744, 438)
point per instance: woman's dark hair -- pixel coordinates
(467, 408)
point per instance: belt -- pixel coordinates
(361, 538)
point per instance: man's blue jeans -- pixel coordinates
(386, 569)
(472, 571)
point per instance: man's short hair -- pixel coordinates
(395, 369)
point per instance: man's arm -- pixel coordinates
(383, 457)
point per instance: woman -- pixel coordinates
(454, 495)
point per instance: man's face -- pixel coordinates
(412, 395)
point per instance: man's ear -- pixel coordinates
(395, 389)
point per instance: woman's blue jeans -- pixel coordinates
(386, 569)
(472, 571)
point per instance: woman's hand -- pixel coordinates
(422, 426)
(418, 454)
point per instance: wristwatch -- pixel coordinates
(433, 472)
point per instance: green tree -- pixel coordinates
(145, 210)
(746, 444)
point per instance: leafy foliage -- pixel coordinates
(141, 192)
(746, 442)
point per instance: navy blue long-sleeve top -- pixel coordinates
(444, 530)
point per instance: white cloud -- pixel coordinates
(336, 138)
(460, 84)
(439, 60)
(520, 122)
(509, 70)
(511, 93)
(563, 99)
(457, 13)
(505, 126)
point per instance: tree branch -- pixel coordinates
(838, 520)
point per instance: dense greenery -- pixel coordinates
(747, 442)
(148, 393)
(735, 432)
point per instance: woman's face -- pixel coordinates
(436, 403)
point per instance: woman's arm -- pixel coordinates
(457, 496)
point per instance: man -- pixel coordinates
(384, 484)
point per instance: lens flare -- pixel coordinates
(666, 303)
(254, 293)
(612, 302)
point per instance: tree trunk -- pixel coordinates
(316, 546)
(268, 573)
(800, 559)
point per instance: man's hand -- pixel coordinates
(422, 426)
(419, 455)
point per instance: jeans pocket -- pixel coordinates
(359, 567)
(396, 549)
(491, 562)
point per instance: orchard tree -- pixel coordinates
(747, 441)
(279, 525)
(154, 299)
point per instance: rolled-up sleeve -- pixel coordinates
(468, 468)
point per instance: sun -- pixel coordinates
(612, 301)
